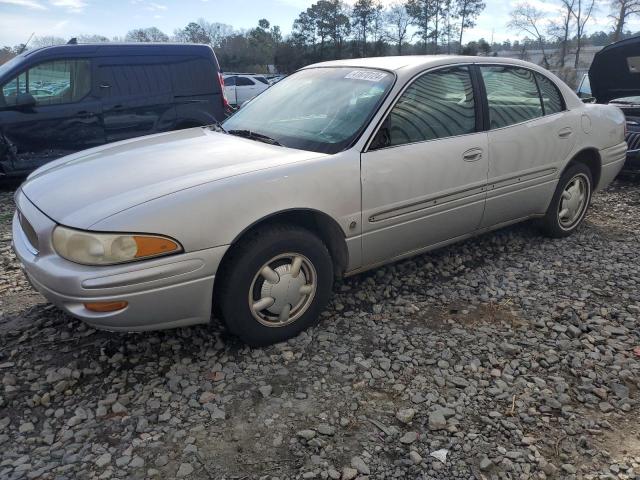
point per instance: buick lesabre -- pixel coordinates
(339, 168)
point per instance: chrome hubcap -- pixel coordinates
(573, 201)
(282, 290)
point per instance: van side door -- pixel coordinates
(62, 115)
(137, 97)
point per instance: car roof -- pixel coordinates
(134, 48)
(407, 66)
(418, 62)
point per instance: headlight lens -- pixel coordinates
(90, 248)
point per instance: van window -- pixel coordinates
(130, 80)
(52, 83)
(230, 81)
(194, 76)
(13, 88)
(513, 95)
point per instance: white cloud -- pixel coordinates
(155, 6)
(149, 5)
(33, 4)
(71, 5)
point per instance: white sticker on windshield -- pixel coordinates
(367, 75)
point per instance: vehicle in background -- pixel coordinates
(343, 166)
(614, 79)
(273, 79)
(58, 100)
(239, 88)
(584, 89)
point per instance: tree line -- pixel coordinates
(332, 29)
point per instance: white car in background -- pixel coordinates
(239, 88)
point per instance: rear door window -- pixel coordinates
(244, 82)
(551, 96)
(512, 94)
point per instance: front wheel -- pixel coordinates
(570, 202)
(275, 284)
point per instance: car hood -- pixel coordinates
(623, 58)
(82, 189)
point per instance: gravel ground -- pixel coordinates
(515, 355)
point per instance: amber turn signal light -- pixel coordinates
(103, 307)
(153, 246)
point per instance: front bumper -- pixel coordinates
(172, 291)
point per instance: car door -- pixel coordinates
(137, 96)
(246, 89)
(425, 172)
(529, 141)
(64, 115)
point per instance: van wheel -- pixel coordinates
(275, 284)
(570, 202)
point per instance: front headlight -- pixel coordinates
(92, 248)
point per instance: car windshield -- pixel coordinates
(317, 109)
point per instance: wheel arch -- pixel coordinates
(319, 223)
(590, 157)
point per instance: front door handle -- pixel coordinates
(565, 132)
(472, 155)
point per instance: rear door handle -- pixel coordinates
(472, 155)
(565, 132)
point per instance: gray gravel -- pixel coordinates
(512, 352)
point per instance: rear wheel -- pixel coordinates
(275, 284)
(570, 202)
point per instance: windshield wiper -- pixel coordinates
(216, 127)
(255, 136)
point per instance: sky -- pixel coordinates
(67, 18)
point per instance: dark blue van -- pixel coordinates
(58, 100)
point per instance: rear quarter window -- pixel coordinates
(195, 76)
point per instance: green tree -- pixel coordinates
(193, 33)
(467, 11)
(398, 21)
(362, 19)
(151, 34)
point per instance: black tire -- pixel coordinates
(552, 224)
(236, 282)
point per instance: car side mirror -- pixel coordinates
(588, 99)
(25, 100)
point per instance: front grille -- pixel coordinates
(29, 232)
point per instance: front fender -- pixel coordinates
(216, 213)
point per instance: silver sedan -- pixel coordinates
(339, 168)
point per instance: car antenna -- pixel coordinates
(72, 41)
(24, 47)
